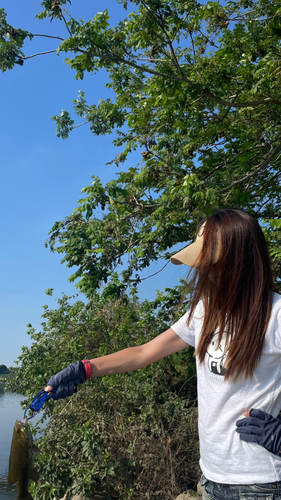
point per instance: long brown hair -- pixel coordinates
(237, 291)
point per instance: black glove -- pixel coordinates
(263, 429)
(66, 381)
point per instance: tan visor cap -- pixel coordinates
(189, 254)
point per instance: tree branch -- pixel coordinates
(118, 59)
(263, 203)
(81, 125)
(251, 174)
(39, 54)
(160, 23)
(267, 182)
(213, 97)
(49, 36)
(258, 146)
(150, 276)
(66, 24)
(151, 60)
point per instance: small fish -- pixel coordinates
(21, 469)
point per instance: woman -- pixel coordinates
(234, 323)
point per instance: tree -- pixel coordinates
(197, 92)
(4, 370)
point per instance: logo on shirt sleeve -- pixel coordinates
(217, 355)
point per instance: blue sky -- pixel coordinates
(42, 176)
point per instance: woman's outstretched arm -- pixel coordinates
(138, 357)
(127, 360)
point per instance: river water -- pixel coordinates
(10, 411)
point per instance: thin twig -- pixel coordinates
(161, 159)
(143, 279)
(48, 36)
(81, 125)
(151, 59)
(186, 383)
(70, 401)
(200, 97)
(264, 203)
(66, 25)
(39, 54)
(252, 20)
(208, 39)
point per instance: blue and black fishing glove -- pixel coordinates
(66, 381)
(263, 429)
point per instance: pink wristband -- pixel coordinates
(88, 368)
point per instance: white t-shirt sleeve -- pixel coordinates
(186, 333)
(278, 333)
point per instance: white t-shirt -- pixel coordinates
(224, 457)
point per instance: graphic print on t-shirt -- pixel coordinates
(217, 355)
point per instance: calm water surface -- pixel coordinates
(10, 411)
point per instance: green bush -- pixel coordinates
(125, 436)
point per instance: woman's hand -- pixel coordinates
(261, 428)
(66, 381)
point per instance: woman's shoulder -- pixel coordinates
(198, 313)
